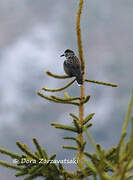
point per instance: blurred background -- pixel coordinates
(33, 35)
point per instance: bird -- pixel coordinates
(72, 66)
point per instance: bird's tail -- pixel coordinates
(79, 79)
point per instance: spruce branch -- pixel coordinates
(124, 128)
(129, 176)
(69, 138)
(91, 140)
(69, 147)
(45, 156)
(101, 83)
(119, 151)
(26, 147)
(87, 154)
(131, 134)
(59, 89)
(82, 146)
(47, 97)
(53, 157)
(26, 151)
(12, 155)
(37, 154)
(88, 125)
(103, 158)
(88, 118)
(61, 126)
(121, 146)
(57, 76)
(85, 99)
(38, 147)
(60, 167)
(56, 101)
(111, 154)
(22, 173)
(90, 166)
(130, 166)
(35, 169)
(74, 116)
(64, 99)
(72, 98)
(8, 165)
(78, 143)
(78, 127)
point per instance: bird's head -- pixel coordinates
(68, 53)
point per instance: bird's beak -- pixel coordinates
(62, 55)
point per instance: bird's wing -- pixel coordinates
(73, 65)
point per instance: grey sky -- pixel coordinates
(33, 34)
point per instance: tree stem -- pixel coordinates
(81, 107)
(80, 135)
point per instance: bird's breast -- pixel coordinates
(67, 68)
